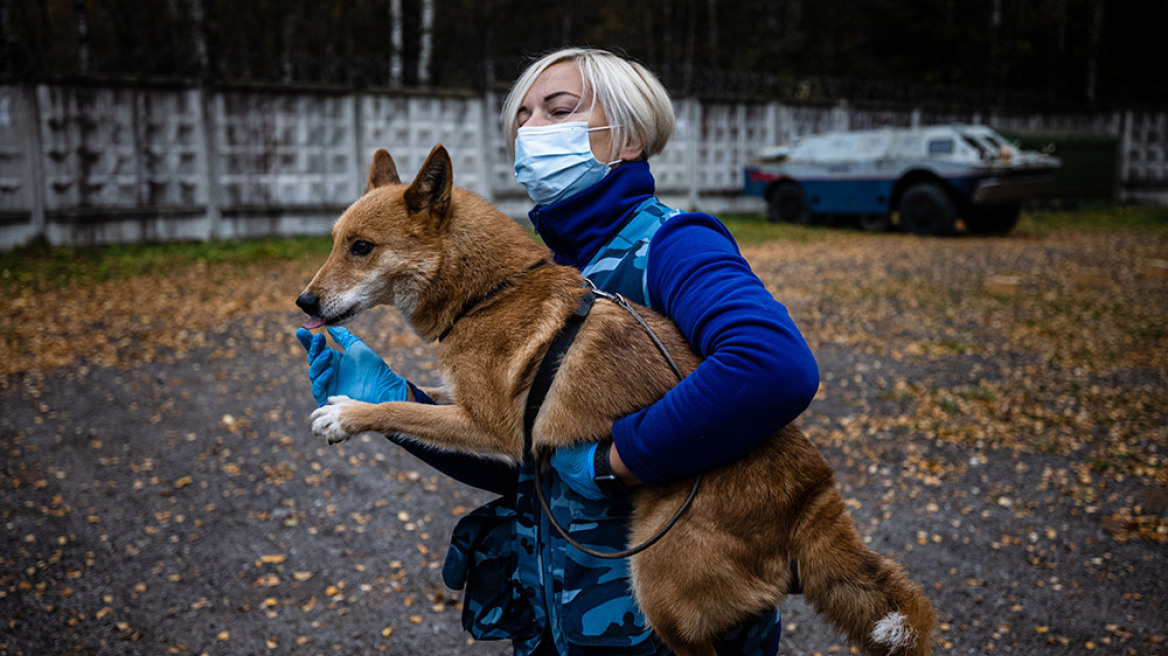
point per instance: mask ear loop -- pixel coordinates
(618, 160)
(586, 77)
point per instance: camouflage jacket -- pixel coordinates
(524, 582)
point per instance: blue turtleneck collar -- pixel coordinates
(577, 227)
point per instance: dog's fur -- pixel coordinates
(438, 251)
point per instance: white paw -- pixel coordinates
(326, 420)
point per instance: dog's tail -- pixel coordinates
(861, 592)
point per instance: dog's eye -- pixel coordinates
(361, 247)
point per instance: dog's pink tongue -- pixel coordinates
(313, 324)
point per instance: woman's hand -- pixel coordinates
(575, 466)
(358, 373)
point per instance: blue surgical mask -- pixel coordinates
(554, 162)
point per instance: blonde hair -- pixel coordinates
(634, 100)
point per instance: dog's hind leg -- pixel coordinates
(866, 595)
(447, 427)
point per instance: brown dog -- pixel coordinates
(455, 266)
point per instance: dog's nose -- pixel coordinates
(310, 303)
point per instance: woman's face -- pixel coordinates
(559, 95)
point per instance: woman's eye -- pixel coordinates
(361, 247)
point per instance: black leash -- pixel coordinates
(539, 389)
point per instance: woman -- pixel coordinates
(583, 124)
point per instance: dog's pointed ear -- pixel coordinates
(430, 191)
(382, 172)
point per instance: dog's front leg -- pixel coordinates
(447, 427)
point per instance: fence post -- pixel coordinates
(486, 152)
(358, 126)
(210, 118)
(692, 148)
(742, 142)
(787, 128)
(841, 116)
(770, 135)
(38, 224)
(1123, 153)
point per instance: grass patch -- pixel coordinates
(1095, 217)
(41, 263)
(754, 228)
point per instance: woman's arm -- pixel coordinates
(757, 374)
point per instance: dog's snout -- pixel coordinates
(310, 303)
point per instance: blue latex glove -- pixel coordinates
(574, 465)
(358, 373)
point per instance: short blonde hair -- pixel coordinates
(634, 100)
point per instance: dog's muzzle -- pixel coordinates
(309, 303)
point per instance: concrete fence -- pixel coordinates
(102, 164)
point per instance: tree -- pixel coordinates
(81, 15)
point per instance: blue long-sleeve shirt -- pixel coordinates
(757, 374)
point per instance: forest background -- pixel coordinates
(1054, 55)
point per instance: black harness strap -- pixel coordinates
(538, 393)
(551, 365)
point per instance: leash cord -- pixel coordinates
(620, 301)
(610, 555)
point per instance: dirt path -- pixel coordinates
(167, 498)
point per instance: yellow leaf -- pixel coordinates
(267, 581)
(183, 482)
(273, 559)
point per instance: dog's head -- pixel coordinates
(386, 246)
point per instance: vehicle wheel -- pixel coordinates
(926, 209)
(879, 222)
(993, 219)
(789, 203)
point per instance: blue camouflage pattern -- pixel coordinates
(619, 267)
(524, 582)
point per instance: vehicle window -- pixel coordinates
(985, 154)
(940, 146)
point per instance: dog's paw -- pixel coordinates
(326, 420)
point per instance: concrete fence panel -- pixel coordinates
(21, 202)
(99, 164)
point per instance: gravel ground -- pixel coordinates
(180, 505)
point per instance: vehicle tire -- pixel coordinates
(876, 222)
(788, 203)
(993, 219)
(927, 209)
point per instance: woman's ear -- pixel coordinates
(633, 151)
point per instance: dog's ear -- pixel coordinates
(383, 171)
(430, 191)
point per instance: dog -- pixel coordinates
(459, 269)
